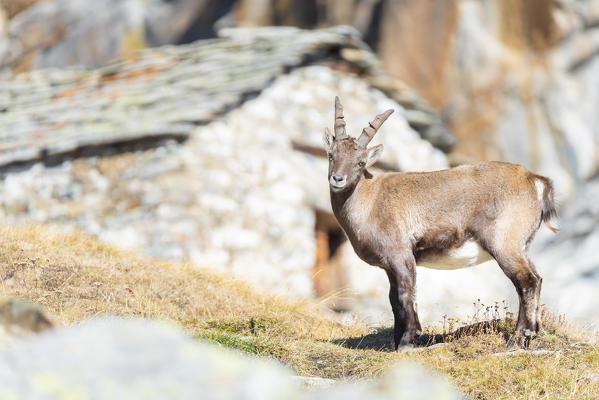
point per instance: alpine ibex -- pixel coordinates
(446, 219)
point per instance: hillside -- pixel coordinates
(77, 277)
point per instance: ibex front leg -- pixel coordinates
(402, 281)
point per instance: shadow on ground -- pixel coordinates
(382, 338)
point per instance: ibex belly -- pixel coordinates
(467, 255)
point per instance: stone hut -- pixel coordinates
(211, 152)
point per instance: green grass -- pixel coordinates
(75, 277)
(245, 344)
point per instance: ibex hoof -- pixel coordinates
(521, 339)
(405, 347)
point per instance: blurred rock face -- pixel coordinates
(572, 256)
(136, 359)
(69, 33)
(59, 33)
(14, 7)
(3, 40)
(416, 41)
(516, 79)
(62, 33)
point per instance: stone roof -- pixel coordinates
(162, 93)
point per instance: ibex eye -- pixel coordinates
(330, 157)
(361, 164)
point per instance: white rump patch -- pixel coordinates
(468, 255)
(540, 189)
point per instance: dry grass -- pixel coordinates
(75, 277)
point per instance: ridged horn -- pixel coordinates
(339, 121)
(373, 126)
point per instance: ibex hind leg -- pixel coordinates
(528, 286)
(507, 240)
(537, 295)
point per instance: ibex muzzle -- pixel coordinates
(445, 219)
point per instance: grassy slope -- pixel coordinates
(77, 277)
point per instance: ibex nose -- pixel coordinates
(337, 181)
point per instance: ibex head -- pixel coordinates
(349, 157)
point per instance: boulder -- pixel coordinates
(19, 318)
(136, 359)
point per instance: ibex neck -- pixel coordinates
(341, 202)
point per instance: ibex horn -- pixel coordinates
(339, 121)
(373, 126)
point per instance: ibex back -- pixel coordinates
(446, 219)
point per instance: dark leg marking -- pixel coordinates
(402, 282)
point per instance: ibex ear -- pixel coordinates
(373, 154)
(327, 138)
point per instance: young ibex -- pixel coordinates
(447, 219)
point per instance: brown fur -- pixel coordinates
(394, 220)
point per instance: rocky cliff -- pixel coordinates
(516, 80)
